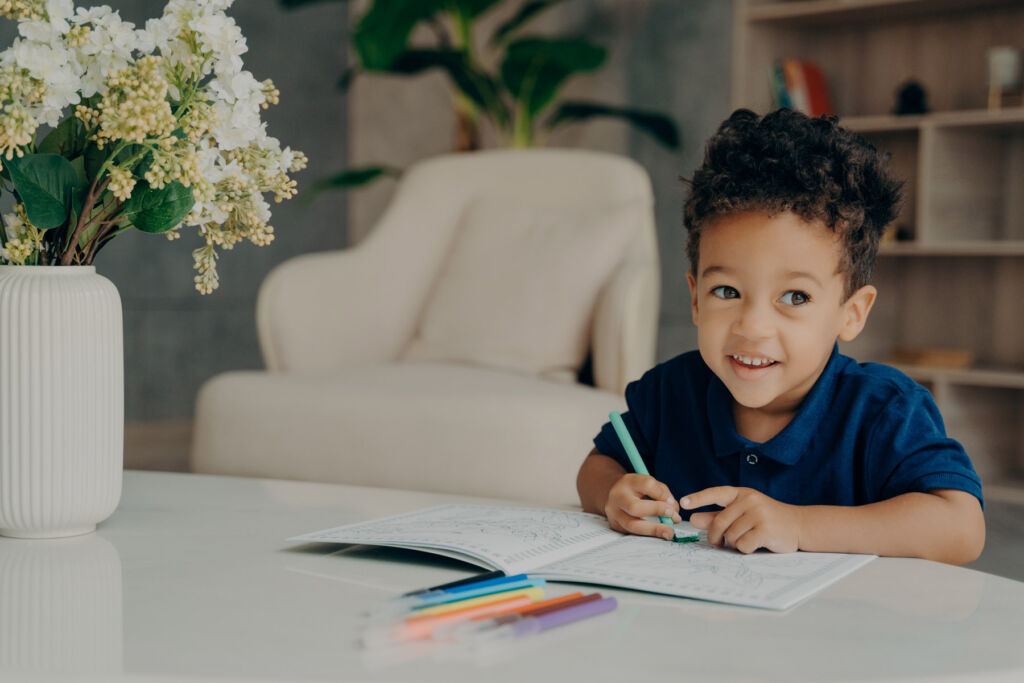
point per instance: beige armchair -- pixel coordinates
(441, 353)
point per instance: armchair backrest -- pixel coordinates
(414, 234)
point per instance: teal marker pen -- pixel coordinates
(638, 463)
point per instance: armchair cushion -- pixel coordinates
(518, 290)
(429, 427)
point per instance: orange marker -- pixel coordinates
(419, 628)
(449, 607)
(538, 605)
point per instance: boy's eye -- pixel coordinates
(795, 298)
(725, 292)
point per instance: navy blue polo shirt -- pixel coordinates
(864, 433)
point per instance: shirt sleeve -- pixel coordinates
(909, 451)
(640, 419)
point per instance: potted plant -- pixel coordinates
(155, 129)
(513, 84)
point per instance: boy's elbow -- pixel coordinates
(975, 541)
(969, 531)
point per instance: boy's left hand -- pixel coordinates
(750, 520)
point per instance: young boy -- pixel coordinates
(773, 438)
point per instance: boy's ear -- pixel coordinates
(693, 296)
(855, 312)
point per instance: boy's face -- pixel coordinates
(768, 305)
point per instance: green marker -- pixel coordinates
(638, 463)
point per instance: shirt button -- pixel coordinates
(752, 458)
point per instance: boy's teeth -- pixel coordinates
(755, 362)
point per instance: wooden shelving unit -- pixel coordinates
(956, 278)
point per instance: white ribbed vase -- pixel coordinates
(61, 400)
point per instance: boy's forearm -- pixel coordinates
(946, 526)
(596, 476)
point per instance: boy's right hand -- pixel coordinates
(635, 496)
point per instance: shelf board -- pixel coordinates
(837, 11)
(1002, 378)
(978, 118)
(960, 248)
(882, 123)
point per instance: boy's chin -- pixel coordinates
(754, 403)
(754, 400)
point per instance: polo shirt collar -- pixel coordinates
(787, 446)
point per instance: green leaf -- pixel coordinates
(476, 85)
(67, 139)
(78, 163)
(44, 183)
(535, 68)
(525, 14)
(158, 210)
(383, 32)
(470, 9)
(94, 158)
(659, 126)
(355, 177)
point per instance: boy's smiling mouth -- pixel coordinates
(752, 361)
(750, 367)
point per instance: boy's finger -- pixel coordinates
(643, 527)
(716, 495)
(655, 490)
(722, 522)
(738, 528)
(702, 520)
(751, 541)
(641, 507)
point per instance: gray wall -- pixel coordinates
(679, 63)
(174, 337)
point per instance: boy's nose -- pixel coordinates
(755, 322)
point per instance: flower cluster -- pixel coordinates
(23, 238)
(169, 103)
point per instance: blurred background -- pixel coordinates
(663, 55)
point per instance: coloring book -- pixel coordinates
(577, 547)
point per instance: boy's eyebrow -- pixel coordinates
(793, 274)
(714, 269)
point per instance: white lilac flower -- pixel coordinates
(183, 72)
(108, 47)
(221, 37)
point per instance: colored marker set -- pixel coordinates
(480, 610)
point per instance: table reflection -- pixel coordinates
(61, 605)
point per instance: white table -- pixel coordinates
(192, 579)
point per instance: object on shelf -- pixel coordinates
(911, 98)
(932, 356)
(1004, 77)
(799, 84)
(897, 232)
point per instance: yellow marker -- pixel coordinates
(532, 593)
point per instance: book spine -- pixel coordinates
(795, 85)
(818, 98)
(780, 96)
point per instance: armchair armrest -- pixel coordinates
(626, 326)
(331, 309)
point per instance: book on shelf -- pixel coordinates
(800, 84)
(577, 547)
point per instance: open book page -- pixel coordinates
(700, 570)
(512, 539)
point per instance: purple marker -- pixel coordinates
(543, 622)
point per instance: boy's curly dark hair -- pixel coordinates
(787, 161)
